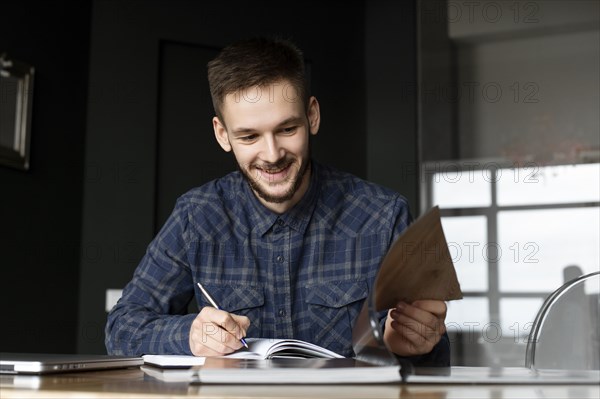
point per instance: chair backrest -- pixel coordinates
(565, 331)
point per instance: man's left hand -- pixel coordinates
(414, 329)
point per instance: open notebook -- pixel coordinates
(258, 348)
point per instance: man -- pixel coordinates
(289, 248)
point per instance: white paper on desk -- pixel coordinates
(227, 370)
(508, 375)
(224, 370)
(174, 361)
(172, 374)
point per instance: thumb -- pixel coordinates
(242, 321)
(436, 307)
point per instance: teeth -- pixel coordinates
(272, 171)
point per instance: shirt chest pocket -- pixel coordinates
(334, 308)
(241, 300)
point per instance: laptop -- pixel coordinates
(39, 363)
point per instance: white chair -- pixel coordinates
(565, 334)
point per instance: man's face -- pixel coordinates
(267, 128)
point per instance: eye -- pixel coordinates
(290, 129)
(247, 139)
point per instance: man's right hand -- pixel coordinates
(215, 332)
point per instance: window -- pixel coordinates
(515, 234)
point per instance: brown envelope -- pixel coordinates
(417, 266)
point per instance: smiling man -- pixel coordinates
(288, 247)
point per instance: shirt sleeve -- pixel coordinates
(438, 357)
(150, 316)
(440, 354)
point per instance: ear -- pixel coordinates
(314, 115)
(221, 134)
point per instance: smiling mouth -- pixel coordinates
(273, 174)
(275, 171)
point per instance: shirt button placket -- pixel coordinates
(283, 290)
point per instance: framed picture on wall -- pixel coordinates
(16, 95)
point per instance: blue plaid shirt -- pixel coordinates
(303, 274)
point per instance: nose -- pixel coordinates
(272, 151)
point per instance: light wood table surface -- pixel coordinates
(133, 383)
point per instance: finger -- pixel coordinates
(226, 333)
(220, 317)
(243, 322)
(419, 315)
(409, 327)
(411, 340)
(212, 336)
(403, 341)
(210, 313)
(207, 332)
(202, 346)
(415, 334)
(426, 325)
(438, 308)
(424, 322)
(222, 341)
(234, 324)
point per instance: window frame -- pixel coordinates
(489, 166)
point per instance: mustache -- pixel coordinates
(281, 164)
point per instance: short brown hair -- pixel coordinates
(256, 62)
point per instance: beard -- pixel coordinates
(295, 176)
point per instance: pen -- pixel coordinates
(214, 304)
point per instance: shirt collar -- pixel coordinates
(297, 218)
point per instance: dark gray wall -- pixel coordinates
(438, 100)
(391, 79)
(40, 209)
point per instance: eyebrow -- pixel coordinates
(293, 119)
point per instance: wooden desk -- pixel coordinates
(133, 383)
